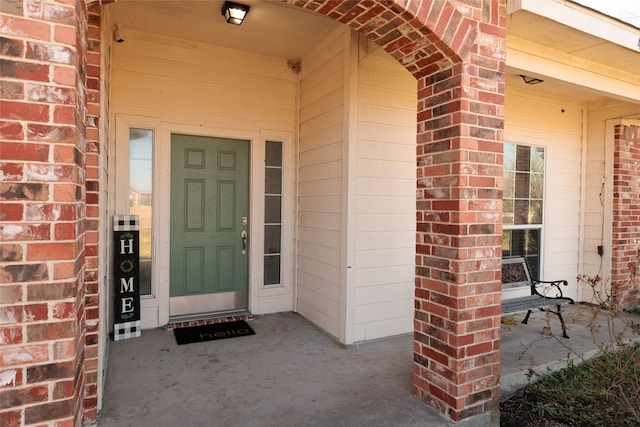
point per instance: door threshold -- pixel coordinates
(201, 319)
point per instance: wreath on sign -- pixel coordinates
(126, 266)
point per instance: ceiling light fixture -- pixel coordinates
(531, 80)
(234, 13)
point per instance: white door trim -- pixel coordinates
(270, 299)
(261, 299)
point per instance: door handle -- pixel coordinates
(244, 241)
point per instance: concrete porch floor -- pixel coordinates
(292, 374)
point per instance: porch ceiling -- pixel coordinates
(554, 88)
(271, 28)
(527, 30)
(276, 29)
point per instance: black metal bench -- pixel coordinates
(515, 273)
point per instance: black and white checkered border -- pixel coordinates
(126, 330)
(126, 223)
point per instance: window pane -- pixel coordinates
(524, 243)
(507, 212)
(537, 159)
(517, 243)
(535, 212)
(272, 270)
(141, 197)
(274, 153)
(531, 242)
(523, 158)
(509, 185)
(506, 243)
(272, 209)
(509, 157)
(522, 185)
(521, 212)
(532, 251)
(272, 239)
(273, 180)
(536, 185)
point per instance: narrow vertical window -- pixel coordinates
(523, 203)
(272, 213)
(141, 197)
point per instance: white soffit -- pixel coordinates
(557, 40)
(582, 19)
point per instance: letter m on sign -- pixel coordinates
(126, 285)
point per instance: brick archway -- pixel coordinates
(424, 41)
(456, 51)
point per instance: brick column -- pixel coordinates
(457, 338)
(459, 232)
(42, 210)
(625, 245)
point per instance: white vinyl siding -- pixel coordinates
(197, 84)
(320, 188)
(556, 126)
(385, 194)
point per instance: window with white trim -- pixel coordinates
(523, 203)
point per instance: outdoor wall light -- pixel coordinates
(531, 80)
(234, 13)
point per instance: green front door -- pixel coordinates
(209, 215)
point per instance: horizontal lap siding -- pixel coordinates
(321, 184)
(557, 126)
(199, 84)
(385, 206)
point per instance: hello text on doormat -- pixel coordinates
(216, 331)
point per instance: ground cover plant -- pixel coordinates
(603, 391)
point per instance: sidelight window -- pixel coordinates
(273, 213)
(141, 197)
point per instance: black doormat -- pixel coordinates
(216, 331)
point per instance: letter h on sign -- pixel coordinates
(126, 275)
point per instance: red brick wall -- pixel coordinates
(92, 184)
(456, 50)
(626, 216)
(42, 195)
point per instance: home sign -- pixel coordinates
(126, 276)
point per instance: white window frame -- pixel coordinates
(544, 145)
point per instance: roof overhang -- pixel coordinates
(581, 18)
(576, 50)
